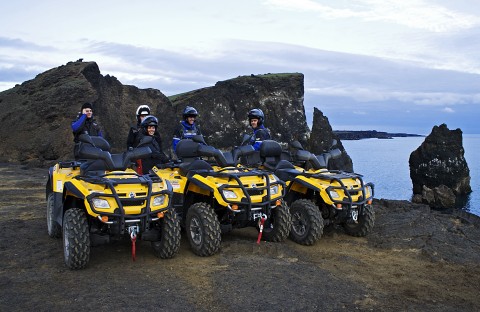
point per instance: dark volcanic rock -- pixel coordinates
(440, 161)
(223, 108)
(321, 141)
(36, 115)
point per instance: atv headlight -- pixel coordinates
(159, 200)
(100, 203)
(334, 194)
(273, 179)
(274, 190)
(229, 194)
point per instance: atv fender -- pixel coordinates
(70, 189)
(49, 186)
(206, 187)
(301, 184)
(57, 213)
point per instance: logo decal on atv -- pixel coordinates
(254, 185)
(132, 194)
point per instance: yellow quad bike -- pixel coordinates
(101, 199)
(342, 198)
(214, 197)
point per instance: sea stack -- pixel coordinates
(438, 168)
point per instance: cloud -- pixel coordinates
(363, 94)
(448, 110)
(348, 88)
(416, 14)
(15, 43)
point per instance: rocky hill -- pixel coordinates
(36, 115)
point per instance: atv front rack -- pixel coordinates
(247, 191)
(121, 218)
(337, 176)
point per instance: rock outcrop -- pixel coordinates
(321, 140)
(36, 115)
(223, 108)
(438, 168)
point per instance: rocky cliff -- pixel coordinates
(224, 107)
(36, 115)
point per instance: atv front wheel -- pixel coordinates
(277, 227)
(76, 239)
(203, 229)
(364, 223)
(307, 222)
(53, 228)
(169, 242)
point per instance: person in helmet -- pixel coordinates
(187, 127)
(148, 127)
(142, 112)
(84, 124)
(260, 133)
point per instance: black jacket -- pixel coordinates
(84, 125)
(157, 156)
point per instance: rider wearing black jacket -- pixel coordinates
(142, 112)
(148, 127)
(84, 124)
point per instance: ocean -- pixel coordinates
(385, 163)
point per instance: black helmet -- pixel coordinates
(256, 113)
(149, 121)
(189, 112)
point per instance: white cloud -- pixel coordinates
(363, 94)
(448, 110)
(411, 13)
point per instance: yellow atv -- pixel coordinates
(101, 198)
(342, 198)
(212, 196)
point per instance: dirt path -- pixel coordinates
(415, 259)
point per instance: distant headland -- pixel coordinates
(370, 134)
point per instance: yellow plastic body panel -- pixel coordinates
(61, 176)
(322, 185)
(213, 183)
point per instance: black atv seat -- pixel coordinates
(270, 153)
(93, 167)
(187, 150)
(99, 166)
(101, 143)
(198, 164)
(286, 171)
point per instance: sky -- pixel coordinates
(385, 65)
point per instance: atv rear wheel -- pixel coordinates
(203, 229)
(277, 227)
(53, 228)
(307, 222)
(76, 239)
(364, 224)
(169, 242)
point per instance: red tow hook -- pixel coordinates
(262, 221)
(133, 236)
